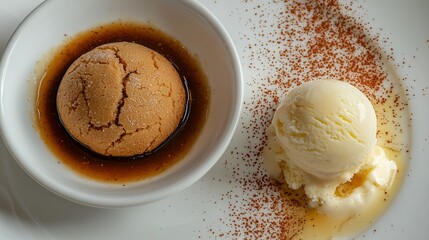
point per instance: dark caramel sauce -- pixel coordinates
(112, 169)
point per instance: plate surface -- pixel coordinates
(28, 211)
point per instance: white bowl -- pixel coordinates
(189, 22)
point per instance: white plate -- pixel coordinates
(29, 211)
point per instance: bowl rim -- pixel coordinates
(180, 184)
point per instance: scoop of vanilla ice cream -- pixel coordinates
(327, 128)
(323, 135)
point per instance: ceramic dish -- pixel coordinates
(187, 21)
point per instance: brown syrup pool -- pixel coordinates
(114, 169)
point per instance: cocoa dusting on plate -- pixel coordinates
(308, 40)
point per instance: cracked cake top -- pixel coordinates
(121, 99)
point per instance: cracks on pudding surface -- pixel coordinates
(115, 52)
(74, 103)
(92, 127)
(125, 134)
(162, 86)
(155, 139)
(124, 80)
(121, 102)
(86, 83)
(86, 100)
(155, 63)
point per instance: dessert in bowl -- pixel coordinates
(189, 23)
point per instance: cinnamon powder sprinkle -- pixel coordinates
(308, 40)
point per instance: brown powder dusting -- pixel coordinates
(320, 39)
(307, 40)
(269, 211)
